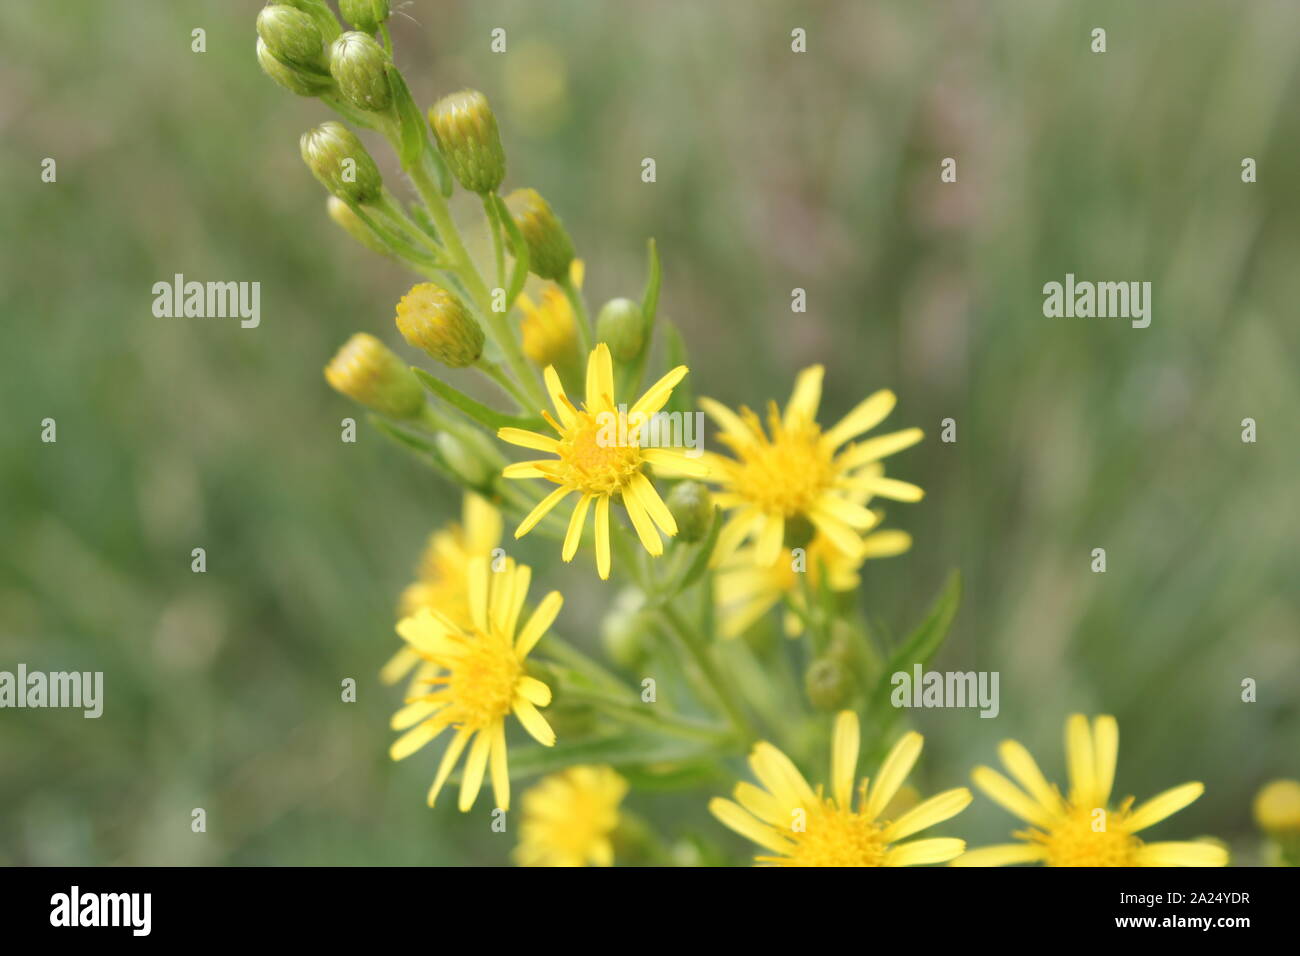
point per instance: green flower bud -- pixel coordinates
(360, 67)
(302, 82)
(364, 15)
(348, 220)
(433, 319)
(320, 13)
(366, 371)
(623, 630)
(799, 532)
(691, 506)
(550, 250)
(620, 326)
(292, 37)
(827, 684)
(463, 462)
(466, 130)
(341, 164)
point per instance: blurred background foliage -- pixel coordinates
(775, 171)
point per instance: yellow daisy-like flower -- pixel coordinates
(748, 589)
(799, 471)
(441, 583)
(569, 817)
(549, 328)
(599, 456)
(1083, 829)
(805, 828)
(481, 680)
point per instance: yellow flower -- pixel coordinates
(441, 583)
(484, 679)
(1083, 829)
(549, 329)
(1277, 808)
(799, 471)
(748, 589)
(569, 816)
(806, 828)
(599, 455)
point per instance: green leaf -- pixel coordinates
(683, 396)
(920, 645)
(650, 298)
(487, 417)
(410, 121)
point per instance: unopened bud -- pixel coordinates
(433, 319)
(320, 13)
(550, 250)
(463, 462)
(691, 506)
(292, 37)
(799, 531)
(360, 67)
(623, 630)
(348, 220)
(827, 684)
(302, 82)
(620, 326)
(364, 15)
(367, 371)
(466, 130)
(341, 164)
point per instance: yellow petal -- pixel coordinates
(867, 415)
(657, 395)
(600, 378)
(645, 529)
(770, 541)
(654, 505)
(602, 537)
(1163, 805)
(805, 398)
(1010, 797)
(1022, 766)
(576, 522)
(1105, 746)
(736, 818)
(1182, 854)
(897, 765)
(534, 722)
(780, 776)
(845, 743)
(472, 780)
(539, 623)
(1079, 760)
(555, 390)
(922, 852)
(874, 449)
(1002, 854)
(531, 689)
(527, 439)
(542, 510)
(500, 770)
(938, 808)
(414, 739)
(449, 759)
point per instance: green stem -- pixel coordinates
(464, 267)
(579, 306)
(493, 371)
(699, 653)
(640, 713)
(498, 247)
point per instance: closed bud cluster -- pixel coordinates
(366, 371)
(339, 161)
(365, 15)
(359, 66)
(466, 130)
(550, 250)
(691, 506)
(620, 326)
(291, 36)
(433, 319)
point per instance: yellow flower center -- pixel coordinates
(785, 474)
(598, 456)
(1079, 840)
(483, 680)
(836, 837)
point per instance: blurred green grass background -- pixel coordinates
(775, 171)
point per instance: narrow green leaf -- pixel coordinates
(487, 417)
(410, 121)
(921, 644)
(518, 249)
